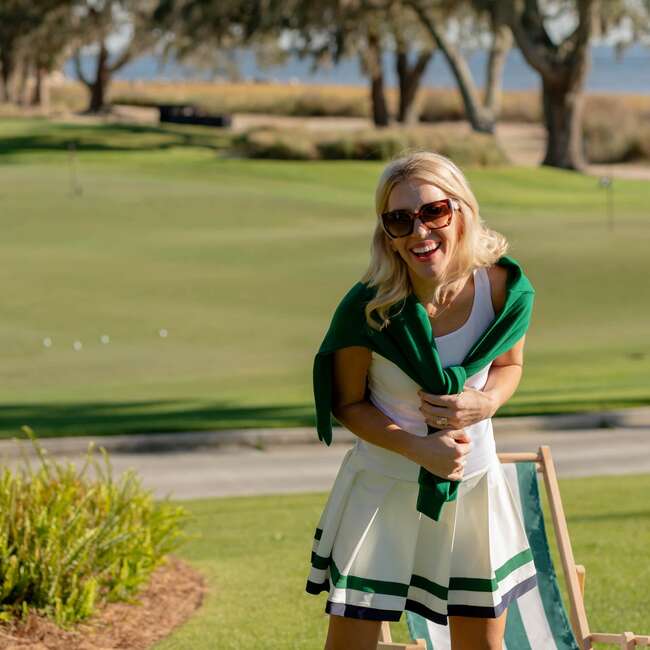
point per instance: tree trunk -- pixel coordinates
(40, 95)
(23, 82)
(501, 45)
(99, 85)
(375, 68)
(563, 76)
(7, 75)
(563, 121)
(480, 118)
(409, 78)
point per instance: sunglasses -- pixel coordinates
(435, 215)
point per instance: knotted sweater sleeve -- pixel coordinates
(347, 328)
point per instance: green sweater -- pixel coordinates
(409, 343)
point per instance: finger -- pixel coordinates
(449, 400)
(430, 398)
(427, 409)
(452, 425)
(464, 448)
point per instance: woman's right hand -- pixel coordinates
(442, 453)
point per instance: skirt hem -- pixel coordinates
(365, 613)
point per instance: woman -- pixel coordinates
(375, 551)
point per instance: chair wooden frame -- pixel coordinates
(574, 574)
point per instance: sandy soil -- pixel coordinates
(175, 592)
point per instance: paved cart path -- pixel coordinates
(236, 470)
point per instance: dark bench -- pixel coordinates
(190, 114)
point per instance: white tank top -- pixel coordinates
(394, 393)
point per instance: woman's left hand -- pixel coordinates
(461, 410)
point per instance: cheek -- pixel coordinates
(454, 237)
(400, 250)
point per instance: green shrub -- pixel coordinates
(68, 543)
(363, 145)
(266, 142)
(378, 144)
(476, 149)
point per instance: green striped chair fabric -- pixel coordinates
(537, 620)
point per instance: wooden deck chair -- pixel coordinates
(537, 620)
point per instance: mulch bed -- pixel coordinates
(175, 592)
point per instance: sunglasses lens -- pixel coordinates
(397, 223)
(435, 215)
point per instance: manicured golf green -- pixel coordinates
(255, 553)
(241, 263)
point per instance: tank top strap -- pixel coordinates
(483, 292)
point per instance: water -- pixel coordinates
(630, 74)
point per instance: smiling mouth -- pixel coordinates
(425, 252)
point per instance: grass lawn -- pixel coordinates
(255, 552)
(243, 261)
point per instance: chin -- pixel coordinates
(428, 273)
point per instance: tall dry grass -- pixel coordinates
(616, 127)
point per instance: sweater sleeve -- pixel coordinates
(347, 328)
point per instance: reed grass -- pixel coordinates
(437, 104)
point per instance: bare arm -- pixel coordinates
(441, 454)
(504, 376)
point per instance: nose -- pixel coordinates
(420, 226)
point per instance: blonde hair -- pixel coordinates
(477, 245)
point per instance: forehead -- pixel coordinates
(411, 193)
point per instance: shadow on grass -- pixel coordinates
(153, 416)
(112, 137)
(181, 415)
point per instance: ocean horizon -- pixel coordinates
(609, 73)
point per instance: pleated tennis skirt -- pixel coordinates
(377, 556)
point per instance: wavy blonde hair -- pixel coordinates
(477, 245)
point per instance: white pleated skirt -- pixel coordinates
(377, 556)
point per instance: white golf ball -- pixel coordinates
(77, 345)
(163, 333)
(47, 342)
(105, 338)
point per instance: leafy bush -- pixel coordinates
(363, 145)
(68, 543)
(265, 142)
(368, 144)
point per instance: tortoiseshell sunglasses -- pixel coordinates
(434, 215)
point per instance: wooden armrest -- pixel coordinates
(582, 572)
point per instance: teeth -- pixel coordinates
(426, 249)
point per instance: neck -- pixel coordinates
(424, 289)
